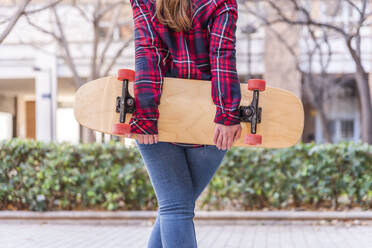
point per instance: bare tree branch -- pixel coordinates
(95, 19)
(117, 55)
(68, 58)
(99, 12)
(52, 4)
(96, 39)
(61, 40)
(348, 34)
(35, 46)
(14, 20)
(352, 4)
(102, 11)
(83, 13)
(110, 35)
(43, 30)
(307, 21)
(31, 12)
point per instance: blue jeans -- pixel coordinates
(178, 175)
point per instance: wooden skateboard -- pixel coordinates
(270, 117)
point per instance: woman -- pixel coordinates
(186, 39)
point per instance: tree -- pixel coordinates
(317, 48)
(94, 14)
(350, 32)
(13, 19)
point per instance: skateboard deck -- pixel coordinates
(186, 112)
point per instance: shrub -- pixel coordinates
(39, 176)
(302, 176)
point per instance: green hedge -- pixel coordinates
(39, 176)
(304, 176)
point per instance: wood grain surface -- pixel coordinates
(186, 111)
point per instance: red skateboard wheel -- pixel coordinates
(253, 139)
(121, 129)
(126, 74)
(256, 84)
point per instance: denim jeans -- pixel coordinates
(178, 175)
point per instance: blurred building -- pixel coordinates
(37, 87)
(338, 91)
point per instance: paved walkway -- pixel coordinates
(264, 235)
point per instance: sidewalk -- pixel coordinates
(147, 218)
(217, 229)
(199, 215)
(273, 235)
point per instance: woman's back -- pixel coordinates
(205, 52)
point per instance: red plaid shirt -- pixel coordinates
(207, 52)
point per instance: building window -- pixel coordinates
(347, 129)
(341, 130)
(331, 126)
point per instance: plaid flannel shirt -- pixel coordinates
(207, 52)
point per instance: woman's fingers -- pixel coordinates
(237, 134)
(216, 134)
(224, 141)
(147, 138)
(229, 141)
(220, 140)
(150, 139)
(224, 137)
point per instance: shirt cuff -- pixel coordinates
(143, 126)
(227, 117)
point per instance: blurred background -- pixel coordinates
(318, 49)
(321, 50)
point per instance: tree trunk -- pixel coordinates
(317, 103)
(323, 119)
(364, 95)
(86, 135)
(366, 108)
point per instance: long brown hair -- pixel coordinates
(175, 13)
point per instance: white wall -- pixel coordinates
(6, 126)
(67, 126)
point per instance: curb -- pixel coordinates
(199, 215)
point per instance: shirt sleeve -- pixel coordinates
(150, 68)
(225, 82)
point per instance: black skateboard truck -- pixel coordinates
(125, 104)
(252, 113)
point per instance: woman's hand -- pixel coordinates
(225, 136)
(145, 138)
